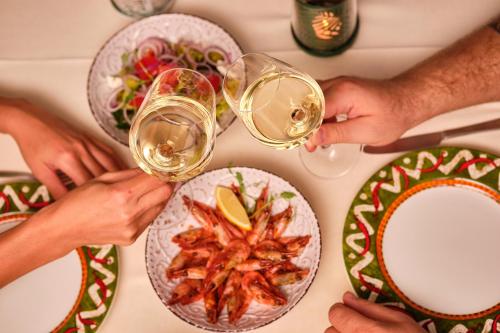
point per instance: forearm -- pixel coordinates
(32, 244)
(17, 116)
(464, 74)
(13, 115)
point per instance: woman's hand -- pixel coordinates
(378, 112)
(114, 208)
(359, 315)
(49, 144)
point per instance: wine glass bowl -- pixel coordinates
(173, 133)
(279, 105)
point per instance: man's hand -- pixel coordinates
(375, 110)
(48, 144)
(380, 111)
(358, 315)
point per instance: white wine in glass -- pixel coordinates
(282, 110)
(173, 134)
(283, 107)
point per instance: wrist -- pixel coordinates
(413, 99)
(46, 224)
(13, 116)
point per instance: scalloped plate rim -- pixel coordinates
(122, 30)
(306, 290)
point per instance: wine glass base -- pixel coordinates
(331, 161)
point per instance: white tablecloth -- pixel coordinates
(46, 48)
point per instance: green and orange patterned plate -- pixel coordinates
(422, 235)
(71, 294)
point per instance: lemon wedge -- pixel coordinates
(232, 208)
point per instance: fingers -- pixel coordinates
(148, 217)
(345, 319)
(156, 197)
(110, 157)
(141, 184)
(325, 84)
(372, 310)
(338, 96)
(335, 132)
(77, 171)
(331, 329)
(106, 162)
(50, 179)
(118, 176)
(95, 168)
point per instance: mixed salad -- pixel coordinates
(153, 56)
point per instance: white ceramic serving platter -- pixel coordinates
(160, 250)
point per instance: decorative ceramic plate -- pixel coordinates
(71, 294)
(422, 235)
(160, 250)
(170, 27)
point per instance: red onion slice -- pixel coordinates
(155, 45)
(112, 104)
(217, 52)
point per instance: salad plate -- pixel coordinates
(422, 235)
(70, 294)
(126, 65)
(161, 247)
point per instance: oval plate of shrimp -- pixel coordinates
(220, 277)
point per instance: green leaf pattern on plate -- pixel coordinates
(388, 183)
(101, 262)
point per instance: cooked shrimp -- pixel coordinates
(190, 237)
(261, 290)
(195, 273)
(295, 245)
(236, 252)
(179, 262)
(211, 306)
(203, 250)
(236, 298)
(186, 292)
(259, 228)
(229, 267)
(253, 265)
(237, 192)
(199, 211)
(221, 232)
(235, 232)
(270, 250)
(285, 273)
(281, 221)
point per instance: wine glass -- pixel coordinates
(172, 136)
(282, 107)
(142, 8)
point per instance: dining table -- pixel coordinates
(47, 48)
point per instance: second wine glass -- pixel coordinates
(173, 134)
(283, 107)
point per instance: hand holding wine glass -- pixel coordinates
(375, 109)
(113, 208)
(283, 107)
(173, 133)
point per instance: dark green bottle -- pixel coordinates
(325, 27)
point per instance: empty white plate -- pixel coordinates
(440, 248)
